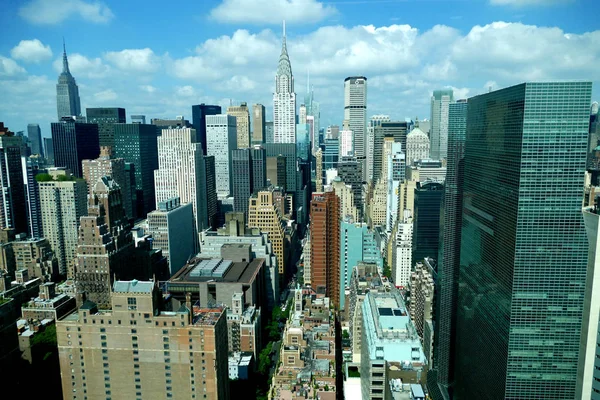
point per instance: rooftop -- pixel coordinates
(133, 286)
(218, 270)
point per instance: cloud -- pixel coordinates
(148, 88)
(105, 95)
(271, 12)
(31, 51)
(523, 3)
(134, 60)
(185, 91)
(51, 12)
(8, 67)
(82, 66)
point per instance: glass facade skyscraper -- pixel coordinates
(105, 117)
(523, 245)
(74, 142)
(199, 113)
(426, 225)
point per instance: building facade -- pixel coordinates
(284, 99)
(34, 134)
(440, 102)
(417, 146)
(67, 92)
(199, 113)
(13, 206)
(105, 118)
(258, 124)
(355, 112)
(221, 140)
(242, 121)
(74, 142)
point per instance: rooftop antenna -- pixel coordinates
(284, 28)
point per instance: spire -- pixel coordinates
(283, 42)
(285, 67)
(65, 61)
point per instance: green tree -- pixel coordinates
(387, 271)
(264, 359)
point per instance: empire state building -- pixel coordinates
(67, 92)
(284, 99)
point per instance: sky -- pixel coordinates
(158, 58)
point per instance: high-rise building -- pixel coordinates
(449, 247)
(422, 292)
(303, 147)
(269, 132)
(284, 99)
(346, 195)
(49, 150)
(331, 155)
(105, 118)
(401, 263)
(288, 152)
(199, 113)
(258, 124)
(325, 245)
(181, 172)
(74, 142)
(242, 121)
(138, 119)
(241, 164)
(137, 144)
(178, 122)
(357, 244)
(105, 246)
(263, 214)
(350, 170)
(221, 140)
(440, 102)
(67, 92)
(395, 176)
(259, 168)
(174, 232)
(32, 194)
(536, 289)
(211, 191)
(35, 137)
(62, 203)
(355, 112)
(319, 170)
(104, 165)
(417, 145)
(426, 220)
(346, 147)
(13, 207)
(141, 350)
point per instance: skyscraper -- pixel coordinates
(62, 203)
(449, 247)
(32, 193)
(35, 137)
(417, 145)
(350, 170)
(105, 118)
(181, 172)
(49, 150)
(426, 230)
(241, 164)
(138, 119)
(67, 92)
(440, 102)
(258, 124)
(325, 245)
(259, 168)
(355, 112)
(13, 209)
(74, 142)
(524, 250)
(137, 144)
(199, 113)
(287, 151)
(284, 99)
(346, 147)
(211, 191)
(242, 121)
(221, 140)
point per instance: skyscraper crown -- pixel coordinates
(284, 67)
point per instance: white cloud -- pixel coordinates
(134, 60)
(522, 3)
(185, 91)
(82, 66)
(148, 88)
(51, 12)
(8, 67)
(105, 95)
(31, 51)
(271, 11)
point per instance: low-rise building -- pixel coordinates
(240, 365)
(48, 304)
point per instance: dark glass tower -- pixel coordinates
(426, 225)
(73, 142)
(211, 191)
(34, 216)
(288, 151)
(105, 118)
(137, 144)
(449, 247)
(35, 137)
(350, 170)
(259, 169)
(67, 92)
(13, 213)
(331, 156)
(199, 113)
(523, 245)
(49, 150)
(241, 163)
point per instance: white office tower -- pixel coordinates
(221, 139)
(417, 146)
(355, 112)
(401, 266)
(284, 99)
(440, 107)
(345, 143)
(181, 171)
(370, 146)
(396, 174)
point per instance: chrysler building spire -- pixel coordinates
(284, 98)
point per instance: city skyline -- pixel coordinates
(233, 62)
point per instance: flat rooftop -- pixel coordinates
(218, 270)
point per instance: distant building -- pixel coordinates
(122, 349)
(350, 171)
(106, 118)
(62, 203)
(174, 232)
(49, 150)
(346, 195)
(178, 122)
(284, 100)
(355, 112)
(427, 170)
(138, 119)
(258, 124)
(67, 92)
(35, 137)
(242, 121)
(401, 263)
(422, 299)
(417, 146)
(199, 113)
(426, 221)
(242, 175)
(269, 132)
(74, 142)
(346, 146)
(13, 206)
(221, 140)
(440, 102)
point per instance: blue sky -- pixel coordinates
(158, 59)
